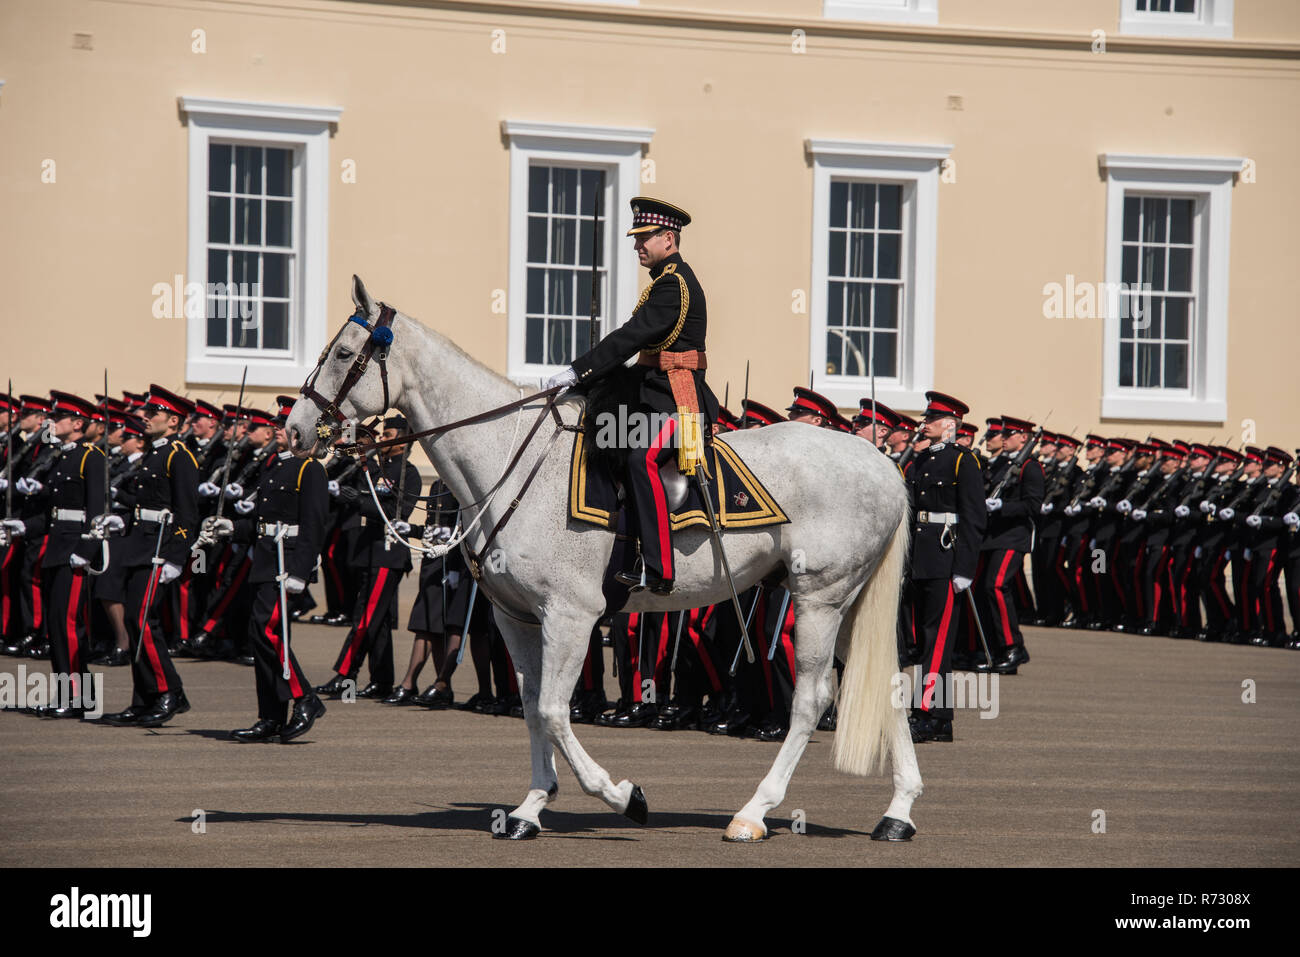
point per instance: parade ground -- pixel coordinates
(1107, 750)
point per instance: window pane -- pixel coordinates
(558, 342)
(536, 239)
(590, 179)
(581, 338)
(835, 257)
(839, 203)
(219, 167)
(533, 340)
(275, 275)
(861, 254)
(1129, 268)
(218, 219)
(1131, 219)
(216, 265)
(1148, 365)
(835, 304)
(834, 346)
(583, 303)
(886, 314)
(1180, 270)
(1153, 267)
(243, 323)
(244, 268)
(275, 325)
(1145, 313)
(279, 172)
(1176, 318)
(856, 352)
(536, 297)
(862, 200)
(559, 292)
(1175, 367)
(1126, 364)
(248, 169)
(248, 222)
(1153, 220)
(539, 178)
(564, 191)
(1180, 229)
(885, 355)
(859, 304)
(891, 207)
(563, 241)
(216, 330)
(279, 223)
(584, 244)
(887, 250)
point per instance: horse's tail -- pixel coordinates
(866, 709)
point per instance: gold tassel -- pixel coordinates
(690, 446)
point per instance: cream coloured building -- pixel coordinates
(966, 194)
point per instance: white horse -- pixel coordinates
(844, 552)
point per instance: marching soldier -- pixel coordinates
(165, 525)
(947, 489)
(36, 457)
(668, 330)
(1261, 538)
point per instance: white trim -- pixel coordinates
(617, 149)
(923, 12)
(1208, 180)
(916, 168)
(1212, 21)
(306, 129)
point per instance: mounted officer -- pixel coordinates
(667, 383)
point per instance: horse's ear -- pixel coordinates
(361, 298)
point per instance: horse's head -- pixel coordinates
(352, 379)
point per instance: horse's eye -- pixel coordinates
(344, 354)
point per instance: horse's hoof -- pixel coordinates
(637, 809)
(892, 829)
(517, 829)
(740, 831)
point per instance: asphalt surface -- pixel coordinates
(1149, 737)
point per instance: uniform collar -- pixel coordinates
(134, 456)
(68, 446)
(937, 446)
(160, 441)
(657, 271)
(283, 455)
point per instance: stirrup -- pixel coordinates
(633, 580)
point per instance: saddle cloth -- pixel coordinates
(739, 498)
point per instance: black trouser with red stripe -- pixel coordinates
(699, 666)
(936, 615)
(1265, 569)
(11, 563)
(67, 593)
(266, 635)
(650, 501)
(335, 574)
(372, 629)
(1218, 607)
(633, 635)
(593, 667)
(32, 604)
(152, 670)
(1291, 566)
(1184, 586)
(778, 674)
(232, 576)
(997, 599)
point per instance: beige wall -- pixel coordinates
(426, 222)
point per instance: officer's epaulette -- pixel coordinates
(179, 445)
(92, 445)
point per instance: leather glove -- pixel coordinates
(402, 528)
(562, 379)
(993, 504)
(1047, 508)
(960, 583)
(76, 561)
(245, 507)
(208, 490)
(333, 487)
(28, 486)
(1139, 514)
(294, 585)
(1254, 521)
(1226, 514)
(169, 573)
(453, 579)
(1123, 506)
(235, 490)
(1182, 511)
(16, 526)
(1207, 507)
(1292, 519)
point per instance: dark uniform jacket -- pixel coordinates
(946, 478)
(1012, 525)
(368, 546)
(75, 482)
(671, 307)
(290, 491)
(167, 477)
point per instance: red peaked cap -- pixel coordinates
(808, 402)
(993, 425)
(884, 415)
(726, 421)
(256, 417)
(284, 404)
(35, 403)
(1011, 424)
(132, 426)
(1069, 440)
(166, 399)
(756, 413)
(942, 404)
(967, 428)
(905, 423)
(1120, 445)
(1280, 456)
(65, 403)
(841, 423)
(1227, 454)
(205, 408)
(1254, 454)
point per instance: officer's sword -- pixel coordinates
(596, 209)
(164, 519)
(464, 632)
(102, 532)
(780, 623)
(280, 531)
(11, 431)
(401, 494)
(753, 606)
(672, 668)
(979, 627)
(230, 455)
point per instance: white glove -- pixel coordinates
(333, 487)
(16, 526)
(76, 561)
(1123, 506)
(169, 573)
(1197, 552)
(1097, 502)
(112, 523)
(453, 579)
(1207, 507)
(1047, 508)
(294, 585)
(402, 528)
(4, 483)
(1254, 521)
(222, 528)
(245, 507)
(960, 583)
(28, 486)
(1182, 511)
(208, 490)
(1292, 519)
(1073, 509)
(1092, 543)
(235, 490)
(442, 534)
(1226, 514)
(1245, 554)
(383, 487)
(993, 504)
(1139, 514)
(563, 379)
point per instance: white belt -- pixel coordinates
(153, 514)
(937, 518)
(69, 514)
(271, 529)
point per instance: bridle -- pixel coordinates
(377, 346)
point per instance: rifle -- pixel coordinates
(1275, 492)
(908, 452)
(1018, 462)
(100, 530)
(233, 452)
(225, 476)
(1090, 477)
(1197, 490)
